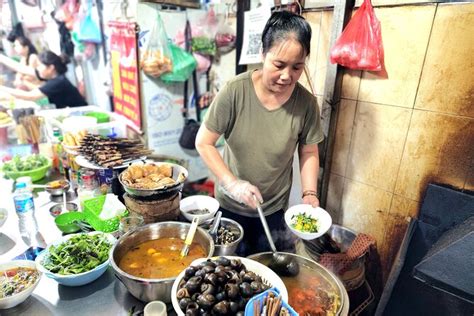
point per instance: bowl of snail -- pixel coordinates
(222, 286)
(147, 260)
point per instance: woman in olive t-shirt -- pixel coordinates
(265, 115)
(57, 88)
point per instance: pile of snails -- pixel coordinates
(218, 287)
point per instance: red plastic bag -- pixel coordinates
(360, 44)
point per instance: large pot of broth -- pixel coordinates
(314, 290)
(147, 260)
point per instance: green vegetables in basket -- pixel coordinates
(304, 223)
(26, 163)
(80, 253)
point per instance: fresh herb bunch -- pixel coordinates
(304, 223)
(26, 163)
(78, 254)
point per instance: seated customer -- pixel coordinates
(56, 87)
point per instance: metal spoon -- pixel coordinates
(282, 264)
(215, 225)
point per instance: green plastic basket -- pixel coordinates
(92, 209)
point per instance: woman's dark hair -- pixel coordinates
(282, 24)
(59, 62)
(26, 42)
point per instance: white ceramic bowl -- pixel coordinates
(261, 270)
(14, 300)
(74, 279)
(198, 202)
(323, 218)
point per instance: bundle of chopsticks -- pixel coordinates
(272, 306)
(110, 152)
(29, 129)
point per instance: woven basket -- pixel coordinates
(154, 211)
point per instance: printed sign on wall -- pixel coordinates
(123, 47)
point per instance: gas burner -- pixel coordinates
(70, 196)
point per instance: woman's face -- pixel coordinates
(283, 65)
(45, 72)
(20, 49)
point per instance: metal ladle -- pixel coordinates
(282, 264)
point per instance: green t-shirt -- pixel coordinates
(260, 143)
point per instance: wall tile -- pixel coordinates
(396, 227)
(439, 148)
(364, 209)
(314, 19)
(377, 144)
(345, 122)
(323, 52)
(449, 63)
(401, 206)
(350, 84)
(404, 47)
(469, 185)
(333, 203)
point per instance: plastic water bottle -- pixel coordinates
(25, 209)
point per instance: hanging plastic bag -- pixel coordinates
(156, 58)
(88, 29)
(225, 36)
(203, 39)
(360, 44)
(183, 65)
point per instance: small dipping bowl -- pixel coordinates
(67, 222)
(155, 308)
(57, 187)
(57, 209)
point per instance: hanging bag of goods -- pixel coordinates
(360, 44)
(183, 65)
(156, 58)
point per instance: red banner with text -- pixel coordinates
(123, 47)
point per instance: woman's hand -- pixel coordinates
(311, 200)
(242, 192)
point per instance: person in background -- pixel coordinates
(265, 115)
(56, 87)
(28, 57)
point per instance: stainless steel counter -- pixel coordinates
(104, 296)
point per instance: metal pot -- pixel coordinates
(301, 281)
(164, 191)
(153, 289)
(228, 249)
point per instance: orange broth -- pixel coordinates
(159, 258)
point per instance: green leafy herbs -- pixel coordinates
(25, 163)
(304, 223)
(81, 253)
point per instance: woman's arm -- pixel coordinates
(309, 169)
(16, 66)
(239, 190)
(32, 95)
